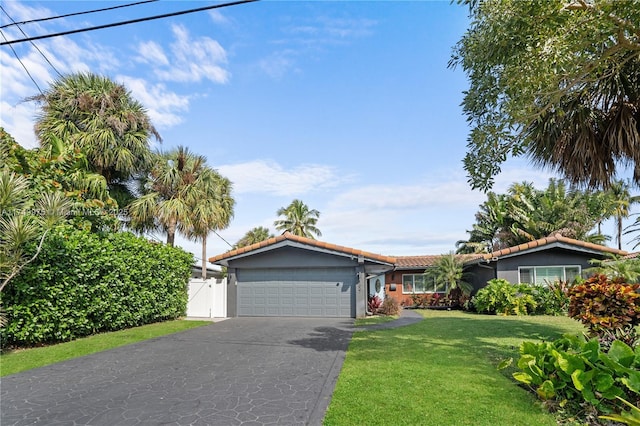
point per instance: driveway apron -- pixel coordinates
(243, 371)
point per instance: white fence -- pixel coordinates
(207, 299)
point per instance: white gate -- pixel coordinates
(207, 299)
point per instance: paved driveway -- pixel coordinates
(249, 371)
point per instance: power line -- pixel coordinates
(133, 21)
(77, 13)
(33, 44)
(21, 63)
(219, 236)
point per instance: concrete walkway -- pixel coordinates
(242, 371)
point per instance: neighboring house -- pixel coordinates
(541, 261)
(290, 275)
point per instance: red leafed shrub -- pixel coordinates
(374, 304)
(603, 304)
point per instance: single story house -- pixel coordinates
(290, 275)
(537, 262)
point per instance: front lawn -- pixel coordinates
(441, 371)
(25, 359)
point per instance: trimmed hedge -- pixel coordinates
(84, 283)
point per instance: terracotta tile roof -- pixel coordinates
(291, 237)
(417, 262)
(410, 262)
(553, 239)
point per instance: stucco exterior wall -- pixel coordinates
(507, 268)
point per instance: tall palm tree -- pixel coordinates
(176, 182)
(99, 117)
(621, 201)
(299, 220)
(212, 210)
(254, 235)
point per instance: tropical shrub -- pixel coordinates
(83, 283)
(420, 300)
(601, 303)
(572, 371)
(500, 297)
(552, 299)
(390, 306)
(374, 304)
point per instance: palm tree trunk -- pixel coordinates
(619, 223)
(171, 232)
(204, 257)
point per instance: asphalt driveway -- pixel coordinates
(242, 371)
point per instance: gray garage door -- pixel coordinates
(327, 292)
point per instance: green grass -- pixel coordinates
(25, 359)
(376, 320)
(441, 371)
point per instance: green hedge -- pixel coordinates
(84, 283)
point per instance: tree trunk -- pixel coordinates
(619, 232)
(204, 257)
(171, 232)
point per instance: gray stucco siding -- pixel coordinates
(507, 268)
(287, 257)
(293, 281)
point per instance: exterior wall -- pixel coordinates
(288, 258)
(480, 274)
(393, 279)
(508, 268)
(232, 293)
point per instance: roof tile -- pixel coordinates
(309, 241)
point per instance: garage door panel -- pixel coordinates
(292, 292)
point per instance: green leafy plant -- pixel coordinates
(572, 371)
(83, 283)
(500, 297)
(631, 417)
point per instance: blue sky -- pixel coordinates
(348, 106)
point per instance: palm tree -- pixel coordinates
(620, 204)
(175, 184)
(298, 220)
(212, 210)
(254, 235)
(20, 225)
(99, 117)
(448, 272)
(591, 129)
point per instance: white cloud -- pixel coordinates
(151, 53)
(279, 63)
(194, 59)
(163, 105)
(17, 120)
(329, 29)
(269, 177)
(218, 18)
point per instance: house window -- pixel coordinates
(419, 283)
(544, 275)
